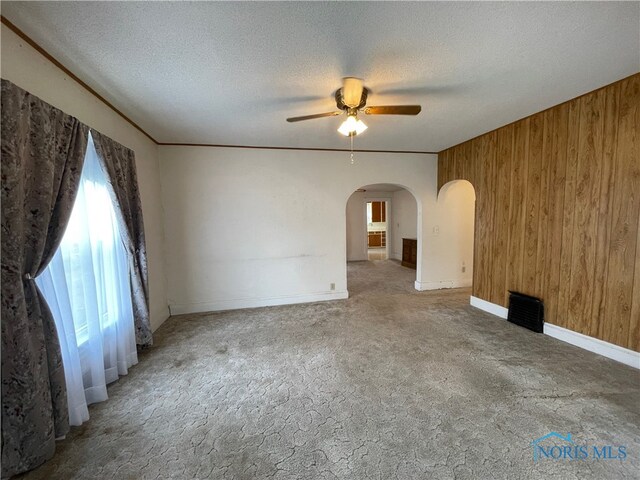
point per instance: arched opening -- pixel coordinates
(382, 231)
(456, 207)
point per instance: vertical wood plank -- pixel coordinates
(556, 208)
(478, 220)
(485, 216)
(548, 118)
(478, 259)
(453, 163)
(447, 159)
(477, 163)
(466, 161)
(517, 204)
(534, 171)
(605, 210)
(573, 123)
(500, 233)
(588, 168)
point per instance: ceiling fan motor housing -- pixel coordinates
(342, 106)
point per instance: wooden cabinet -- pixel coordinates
(377, 239)
(378, 212)
(409, 252)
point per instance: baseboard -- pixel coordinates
(595, 345)
(235, 304)
(423, 286)
(489, 307)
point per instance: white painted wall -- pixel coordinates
(257, 227)
(25, 67)
(403, 221)
(248, 227)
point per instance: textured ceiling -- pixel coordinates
(230, 73)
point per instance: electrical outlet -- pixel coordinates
(436, 230)
(333, 286)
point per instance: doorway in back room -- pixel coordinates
(377, 230)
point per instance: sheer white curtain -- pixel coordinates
(87, 288)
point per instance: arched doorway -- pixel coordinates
(382, 219)
(456, 208)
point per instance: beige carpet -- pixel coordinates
(391, 383)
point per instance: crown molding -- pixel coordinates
(312, 149)
(68, 72)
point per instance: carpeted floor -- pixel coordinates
(391, 383)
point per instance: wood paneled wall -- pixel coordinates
(558, 210)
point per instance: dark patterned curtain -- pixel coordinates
(120, 167)
(42, 154)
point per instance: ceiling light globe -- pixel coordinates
(360, 127)
(351, 126)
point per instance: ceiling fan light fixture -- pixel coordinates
(348, 126)
(360, 127)
(352, 126)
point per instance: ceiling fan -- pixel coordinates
(352, 99)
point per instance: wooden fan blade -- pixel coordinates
(393, 110)
(352, 91)
(311, 117)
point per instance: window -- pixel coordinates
(87, 288)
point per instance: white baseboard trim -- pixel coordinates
(492, 308)
(423, 286)
(595, 345)
(235, 304)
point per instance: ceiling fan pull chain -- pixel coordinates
(351, 137)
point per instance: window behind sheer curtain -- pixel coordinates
(87, 288)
